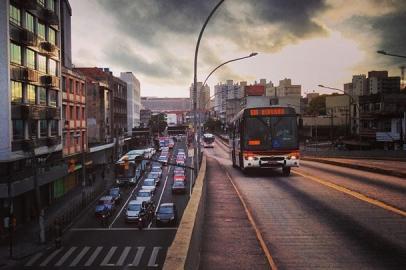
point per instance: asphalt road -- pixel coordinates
(89, 245)
(324, 216)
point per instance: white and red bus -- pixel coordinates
(265, 137)
(208, 140)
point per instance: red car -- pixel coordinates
(179, 177)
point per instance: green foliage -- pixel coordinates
(212, 125)
(157, 123)
(317, 106)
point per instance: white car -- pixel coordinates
(158, 170)
(149, 184)
(144, 195)
(133, 210)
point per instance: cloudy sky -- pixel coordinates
(310, 41)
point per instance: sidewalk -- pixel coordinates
(26, 238)
(387, 167)
(229, 241)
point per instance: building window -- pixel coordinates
(18, 129)
(42, 63)
(77, 140)
(15, 53)
(77, 113)
(15, 15)
(64, 112)
(54, 127)
(53, 98)
(52, 67)
(41, 2)
(77, 90)
(51, 5)
(71, 113)
(29, 22)
(33, 129)
(30, 57)
(43, 128)
(41, 30)
(71, 86)
(83, 113)
(63, 84)
(31, 94)
(52, 35)
(16, 92)
(42, 93)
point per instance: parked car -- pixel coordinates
(144, 195)
(116, 194)
(149, 184)
(105, 206)
(166, 215)
(133, 209)
(179, 187)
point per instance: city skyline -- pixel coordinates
(335, 40)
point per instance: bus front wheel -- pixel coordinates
(286, 171)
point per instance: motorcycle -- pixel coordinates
(141, 220)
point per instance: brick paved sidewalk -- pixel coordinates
(229, 241)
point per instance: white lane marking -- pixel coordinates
(80, 256)
(160, 198)
(125, 204)
(93, 256)
(122, 229)
(123, 256)
(50, 257)
(110, 254)
(33, 259)
(152, 259)
(137, 258)
(65, 256)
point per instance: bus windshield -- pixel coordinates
(270, 132)
(208, 139)
(122, 172)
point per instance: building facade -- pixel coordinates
(30, 73)
(133, 100)
(145, 117)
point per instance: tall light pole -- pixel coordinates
(390, 54)
(204, 83)
(195, 153)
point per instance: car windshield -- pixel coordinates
(143, 194)
(166, 210)
(152, 175)
(114, 192)
(266, 132)
(134, 207)
(156, 169)
(178, 184)
(149, 183)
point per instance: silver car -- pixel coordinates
(133, 210)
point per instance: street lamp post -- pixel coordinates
(204, 83)
(195, 153)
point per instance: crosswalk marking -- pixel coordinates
(79, 257)
(50, 257)
(94, 256)
(152, 259)
(66, 256)
(110, 254)
(33, 259)
(137, 258)
(123, 256)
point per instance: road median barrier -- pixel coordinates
(184, 252)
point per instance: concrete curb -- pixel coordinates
(358, 167)
(184, 252)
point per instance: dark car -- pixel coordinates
(105, 206)
(179, 187)
(116, 194)
(166, 215)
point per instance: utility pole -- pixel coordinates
(331, 126)
(83, 169)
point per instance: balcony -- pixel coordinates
(48, 48)
(49, 16)
(50, 81)
(27, 4)
(53, 113)
(24, 74)
(28, 145)
(22, 35)
(27, 111)
(51, 141)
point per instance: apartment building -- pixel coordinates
(133, 99)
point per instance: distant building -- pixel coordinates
(145, 117)
(227, 99)
(156, 104)
(133, 100)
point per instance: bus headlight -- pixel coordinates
(292, 157)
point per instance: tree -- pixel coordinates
(212, 125)
(317, 106)
(157, 123)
